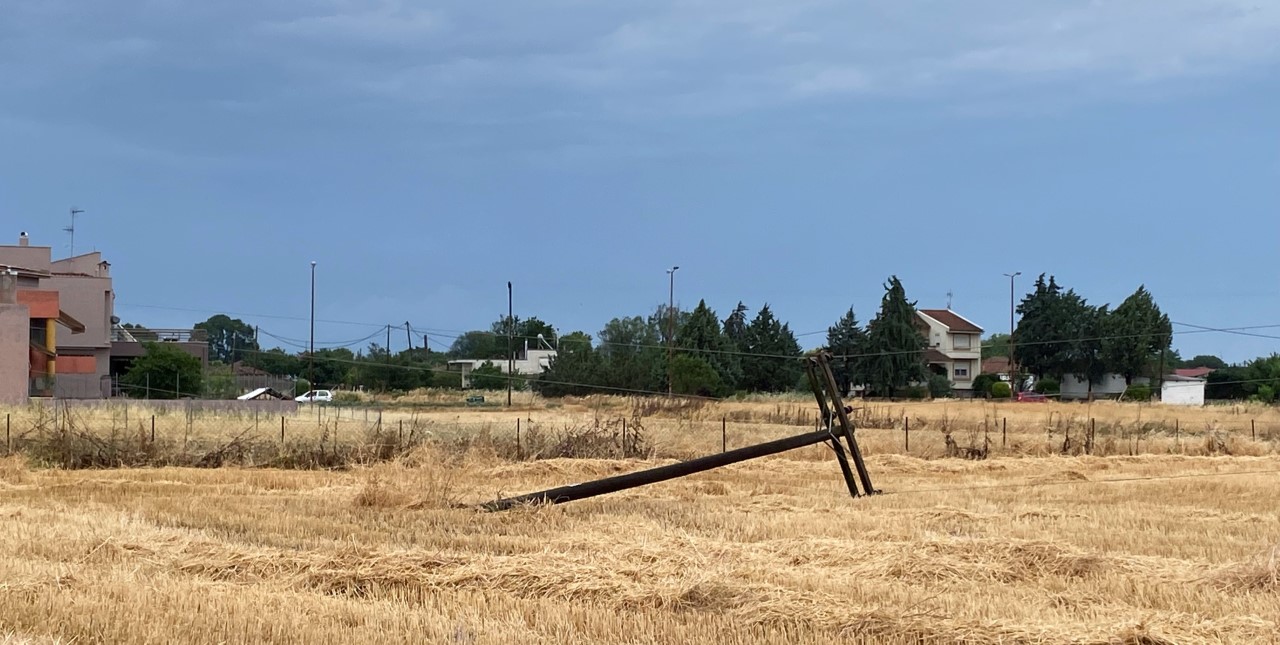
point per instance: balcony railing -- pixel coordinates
(122, 335)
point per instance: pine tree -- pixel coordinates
(1136, 332)
(766, 339)
(846, 340)
(702, 336)
(894, 343)
(735, 327)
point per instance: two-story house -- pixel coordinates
(954, 347)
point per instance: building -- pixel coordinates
(954, 347)
(1109, 386)
(1194, 372)
(997, 365)
(1182, 390)
(66, 309)
(531, 362)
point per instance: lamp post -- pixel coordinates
(671, 328)
(1012, 380)
(311, 351)
(511, 357)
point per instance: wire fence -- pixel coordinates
(283, 434)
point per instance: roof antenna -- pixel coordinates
(72, 229)
(949, 295)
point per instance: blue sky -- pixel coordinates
(795, 153)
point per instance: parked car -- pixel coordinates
(316, 396)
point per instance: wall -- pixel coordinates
(86, 300)
(15, 343)
(1182, 393)
(1074, 387)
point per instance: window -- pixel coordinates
(962, 372)
(961, 341)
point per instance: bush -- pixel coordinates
(164, 372)
(301, 386)
(692, 375)
(1138, 393)
(915, 392)
(1048, 386)
(488, 377)
(939, 386)
(982, 384)
(1001, 390)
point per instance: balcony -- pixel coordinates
(143, 335)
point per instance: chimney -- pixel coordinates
(8, 287)
(23, 240)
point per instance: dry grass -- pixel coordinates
(1005, 550)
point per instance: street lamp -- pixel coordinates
(1012, 381)
(311, 353)
(671, 328)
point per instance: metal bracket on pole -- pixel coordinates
(833, 410)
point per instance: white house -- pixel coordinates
(954, 347)
(1074, 387)
(1182, 390)
(531, 362)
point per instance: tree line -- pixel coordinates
(697, 352)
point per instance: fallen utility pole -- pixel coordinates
(838, 433)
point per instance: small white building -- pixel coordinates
(532, 362)
(1074, 387)
(1182, 390)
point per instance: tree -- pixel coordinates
(764, 340)
(274, 361)
(1206, 360)
(525, 333)
(702, 336)
(164, 372)
(693, 375)
(895, 346)
(1040, 345)
(995, 345)
(1136, 332)
(228, 337)
(478, 345)
(575, 371)
(631, 357)
(735, 326)
(488, 377)
(331, 367)
(846, 341)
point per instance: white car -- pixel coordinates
(316, 396)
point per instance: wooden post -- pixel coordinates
(1177, 434)
(1093, 430)
(400, 438)
(519, 448)
(282, 429)
(8, 441)
(1253, 429)
(1004, 432)
(906, 434)
(724, 434)
(153, 428)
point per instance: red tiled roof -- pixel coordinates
(995, 365)
(1194, 372)
(954, 321)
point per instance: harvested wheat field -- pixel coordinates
(1051, 549)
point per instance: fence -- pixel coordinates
(83, 434)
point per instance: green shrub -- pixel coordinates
(1048, 386)
(915, 392)
(1001, 390)
(939, 386)
(1138, 393)
(346, 397)
(301, 386)
(982, 384)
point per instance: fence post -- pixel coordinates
(1093, 429)
(8, 441)
(153, 428)
(1004, 432)
(906, 434)
(519, 448)
(724, 434)
(1253, 429)
(400, 437)
(282, 429)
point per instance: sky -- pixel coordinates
(795, 153)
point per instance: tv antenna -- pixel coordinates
(949, 296)
(72, 229)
